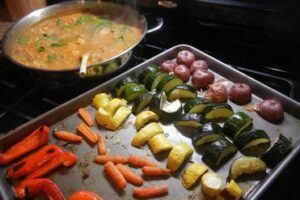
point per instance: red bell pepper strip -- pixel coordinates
(66, 159)
(84, 195)
(46, 186)
(34, 161)
(37, 138)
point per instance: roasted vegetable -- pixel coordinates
(190, 120)
(116, 176)
(168, 65)
(120, 86)
(37, 138)
(86, 117)
(232, 191)
(86, 195)
(87, 133)
(217, 151)
(146, 133)
(185, 57)
(167, 83)
(208, 132)
(132, 92)
(155, 171)
(100, 100)
(178, 155)
(196, 105)
(202, 79)
(246, 165)
(67, 136)
(141, 102)
(199, 64)
(144, 118)
(146, 71)
(138, 161)
(192, 174)
(150, 192)
(271, 110)
(236, 124)
(211, 184)
(113, 105)
(251, 138)
(129, 175)
(182, 72)
(240, 93)
(182, 92)
(217, 93)
(159, 143)
(218, 111)
(277, 151)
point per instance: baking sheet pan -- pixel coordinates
(87, 175)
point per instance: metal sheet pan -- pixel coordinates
(88, 175)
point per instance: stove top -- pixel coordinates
(251, 51)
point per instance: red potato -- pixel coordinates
(186, 58)
(217, 93)
(182, 72)
(240, 93)
(201, 79)
(199, 64)
(168, 66)
(271, 110)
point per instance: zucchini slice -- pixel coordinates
(146, 71)
(217, 151)
(144, 118)
(192, 174)
(170, 111)
(246, 165)
(195, 105)
(157, 79)
(236, 124)
(146, 133)
(120, 86)
(153, 78)
(168, 83)
(132, 92)
(141, 102)
(211, 184)
(218, 111)
(190, 120)
(182, 92)
(159, 143)
(251, 138)
(277, 151)
(178, 155)
(207, 133)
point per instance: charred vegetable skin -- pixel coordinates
(36, 139)
(252, 138)
(209, 132)
(236, 124)
(218, 111)
(196, 105)
(277, 151)
(141, 102)
(217, 151)
(182, 92)
(34, 161)
(190, 120)
(142, 76)
(120, 86)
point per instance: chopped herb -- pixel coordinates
(126, 29)
(61, 42)
(49, 37)
(52, 58)
(83, 20)
(123, 39)
(41, 49)
(57, 44)
(23, 39)
(59, 21)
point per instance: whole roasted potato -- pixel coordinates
(240, 93)
(271, 110)
(201, 79)
(186, 58)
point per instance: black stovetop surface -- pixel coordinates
(267, 59)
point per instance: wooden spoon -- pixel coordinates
(83, 65)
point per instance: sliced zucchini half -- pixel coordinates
(182, 92)
(277, 151)
(236, 124)
(207, 133)
(170, 111)
(157, 79)
(196, 105)
(153, 78)
(190, 120)
(132, 92)
(246, 165)
(157, 101)
(217, 151)
(120, 86)
(168, 83)
(218, 111)
(141, 102)
(146, 71)
(251, 138)
(144, 118)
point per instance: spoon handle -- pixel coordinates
(83, 65)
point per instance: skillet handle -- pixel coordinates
(159, 22)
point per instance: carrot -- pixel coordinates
(84, 114)
(155, 171)
(88, 133)
(115, 175)
(150, 192)
(102, 159)
(129, 175)
(101, 145)
(67, 136)
(140, 161)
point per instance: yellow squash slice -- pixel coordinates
(178, 155)
(119, 117)
(231, 191)
(211, 184)
(100, 100)
(103, 118)
(145, 117)
(113, 105)
(146, 133)
(159, 143)
(192, 174)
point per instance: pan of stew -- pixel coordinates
(54, 39)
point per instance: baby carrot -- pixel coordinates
(83, 113)
(129, 175)
(155, 171)
(101, 145)
(88, 133)
(67, 136)
(150, 192)
(140, 161)
(115, 175)
(102, 159)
